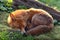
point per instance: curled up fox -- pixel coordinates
(31, 21)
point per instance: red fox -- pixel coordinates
(31, 21)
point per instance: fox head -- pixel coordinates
(16, 20)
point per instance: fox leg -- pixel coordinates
(41, 19)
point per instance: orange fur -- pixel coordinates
(32, 18)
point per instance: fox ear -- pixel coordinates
(12, 16)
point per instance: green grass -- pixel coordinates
(52, 3)
(8, 34)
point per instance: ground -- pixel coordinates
(8, 34)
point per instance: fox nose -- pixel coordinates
(25, 34)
